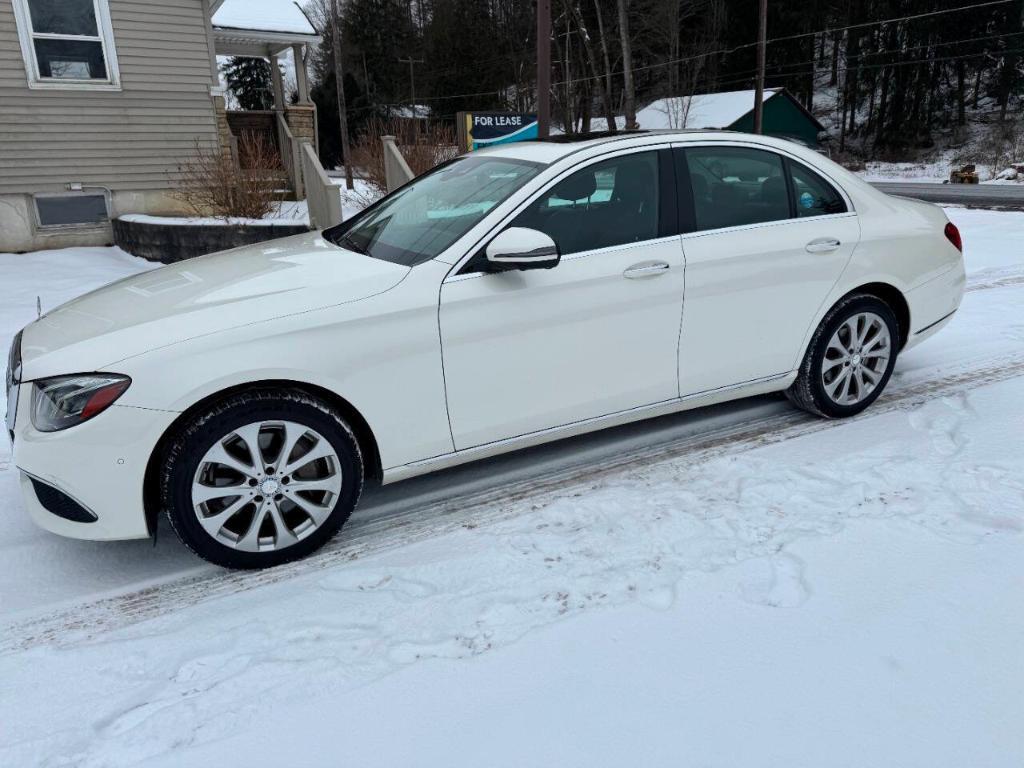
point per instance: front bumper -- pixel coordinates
(100, 464)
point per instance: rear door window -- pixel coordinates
(813, 195)
(736, 186)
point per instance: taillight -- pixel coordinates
(953, 235)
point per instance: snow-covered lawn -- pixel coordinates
(741, 586)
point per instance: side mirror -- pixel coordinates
(522, 248)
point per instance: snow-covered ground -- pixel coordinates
(740, 586)
(931, 172)
(935, 171)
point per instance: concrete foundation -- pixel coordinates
(19, 232)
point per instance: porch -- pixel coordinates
(270, 32)
(285, 127)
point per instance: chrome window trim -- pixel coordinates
(546, 186)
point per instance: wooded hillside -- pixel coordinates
(885, 75)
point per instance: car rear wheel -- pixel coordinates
(261, 478)
(849, 360)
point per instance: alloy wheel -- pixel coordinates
(266, 485)
(856, 358)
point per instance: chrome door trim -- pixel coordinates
(731, 142)
(461, 261)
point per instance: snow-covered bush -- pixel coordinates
(1004, 148)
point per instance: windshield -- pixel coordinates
(426, 216)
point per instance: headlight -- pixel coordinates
(65, 401)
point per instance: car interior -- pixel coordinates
(610, 203)
(732, 190)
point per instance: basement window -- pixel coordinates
(75, 210)
(67, 44)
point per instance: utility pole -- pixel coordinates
(571, 127)
(339, 84)
(762, 34)
(543, 68)
(412, 83)
(629, 91)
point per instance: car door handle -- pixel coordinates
(646, 269)
(822, 245)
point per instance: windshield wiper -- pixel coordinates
(347, 241)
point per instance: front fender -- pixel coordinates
(383, 356)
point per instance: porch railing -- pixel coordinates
(322, 195)
(396, 169)
(291, 157)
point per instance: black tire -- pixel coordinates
(808, 391)
(187, 449)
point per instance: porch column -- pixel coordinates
(300, 74)
(301, 117)
(275, 79)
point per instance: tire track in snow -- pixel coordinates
(70, 625)
(994, 278)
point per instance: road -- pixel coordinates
(974, 195)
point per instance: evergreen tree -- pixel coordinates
(248, 79)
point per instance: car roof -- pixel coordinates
(552, 150)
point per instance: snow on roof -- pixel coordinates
(706, 110)
(263, 16)
(412, 110)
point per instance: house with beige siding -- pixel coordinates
(102, 100)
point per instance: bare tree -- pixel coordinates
(604, 89)
(339, 85)
(629, 101)
(607, 64)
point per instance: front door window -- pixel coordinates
(610, 203)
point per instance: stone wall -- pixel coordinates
(224, 134)
(301, 120)
(168, 243)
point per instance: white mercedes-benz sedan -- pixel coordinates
(509, 297)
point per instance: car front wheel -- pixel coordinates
(261, 478)
(849, 360)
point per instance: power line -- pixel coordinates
(746, 74)
(816, 72)
(743, 46)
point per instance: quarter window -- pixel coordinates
(614, 202)
(67, 43)
(735, 186)
(814, 196)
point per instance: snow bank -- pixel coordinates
(211, 221)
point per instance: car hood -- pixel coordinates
(201, 296)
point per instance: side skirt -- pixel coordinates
(761, 386)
